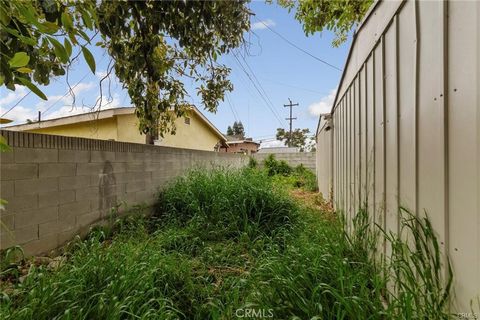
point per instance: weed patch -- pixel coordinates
(224, 241)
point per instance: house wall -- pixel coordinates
(196, 135)
(103, 129)
(248, 147)
(127, 129)
(57, 187)
(406, 128)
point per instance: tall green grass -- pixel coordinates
(221, 241)
(222, 204)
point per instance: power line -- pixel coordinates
(234, 112)
(67, 93)
(71, 89)
(299, 48)
(259, 84)
(16, 104)
(291, 86)
(258, 90)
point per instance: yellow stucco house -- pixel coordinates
(194, 131)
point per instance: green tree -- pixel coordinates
(339, 16)
(240, 131)
(237, 129)
(154, 46)
(298, 138)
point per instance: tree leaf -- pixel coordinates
(50, 27)
(20, 59)
(86, 19)
(68, 47)
(89, 58)
(32, 87)
(67, 21)
(60, 51)
(24, 70)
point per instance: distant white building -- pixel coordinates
(279, 150)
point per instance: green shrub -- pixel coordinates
(300, 177)
(274, 167)
(252, 163)
(224, 204)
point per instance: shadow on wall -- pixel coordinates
(107, 192)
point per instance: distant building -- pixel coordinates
(194, 131)
(239, 144)
(279, 150)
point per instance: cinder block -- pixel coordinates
(7, 222)
(56, 170)
(33, 186)
(102, 156)
(87, 219)
(7, 240)
(54, 227)
(90, 168)
(86, 194)
(73, 209)
(124, 177)
(77, 182)
(6, 189)
(135, 167)
(124, 156)
(35, 155)
(134, 186)
(129, 197)
(78, 156)
(7, 157)
(119, 167)
(22, 203)
(67, 236)
(147, 196)
(55, 198)
(120, 189)
(25, 234)
(18, 171)
(42, 245)
(35, 217)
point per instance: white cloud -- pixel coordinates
(12, 96)
(67, 100)
(322, 106)
(20, 114)
(67, 110)
(63, 104)
(263, 24)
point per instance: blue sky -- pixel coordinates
(282, 71)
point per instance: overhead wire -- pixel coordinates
(258, 82)
(70, 89)
(297, 47)
(258, 90)
(232, 108)
(291, 86)
(16, 104)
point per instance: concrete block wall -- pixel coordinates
(56, 187)
(308, 159)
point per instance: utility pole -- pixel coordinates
(290, 119)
